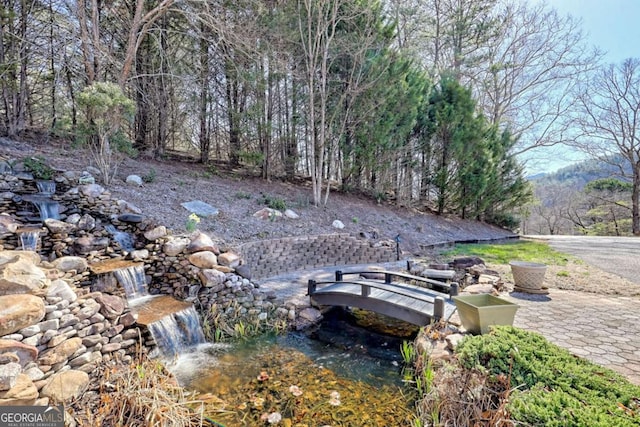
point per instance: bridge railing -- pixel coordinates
(437, 301)
(436, 285)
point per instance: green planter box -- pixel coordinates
(478, 312)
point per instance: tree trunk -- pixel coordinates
(204, 137)
(635, 200)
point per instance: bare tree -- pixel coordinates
(317, 24)
(533, 67)
(609, 121)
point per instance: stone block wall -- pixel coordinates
(268, 258)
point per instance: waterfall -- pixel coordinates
(132, 280)
(46, 187)
(125, 240)
(46, 207)
(177, 332)
(29, 239)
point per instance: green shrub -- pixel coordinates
(274, 202)
(150, 176)
(551, 387)
(242, 195)
(38, 167)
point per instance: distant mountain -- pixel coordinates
(537, 176)
(578, 174)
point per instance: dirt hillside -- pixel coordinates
(239, 194)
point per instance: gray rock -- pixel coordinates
(87, 222)
(156, 233)
(244, 271)
(138, 255)
(68, 263)
(126, 207)
(175, 245)
(9, 375)
(337, 224)
(86, 244)
(91, 190)
(131, 218)
(56, 226)
(200, 208)
(291, 214)
(134, 180)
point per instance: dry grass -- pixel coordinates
(140, 394)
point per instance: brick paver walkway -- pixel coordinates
(604, 330)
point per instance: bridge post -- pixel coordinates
(453, 290)
(338, 275)
(387, 278)
(365, 290)
(311, 287)
(438, 308)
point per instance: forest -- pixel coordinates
(424, 103)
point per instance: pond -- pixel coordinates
(340, 374)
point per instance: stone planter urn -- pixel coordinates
(478, 312)
(528, 276)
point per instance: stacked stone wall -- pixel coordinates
(269, 258)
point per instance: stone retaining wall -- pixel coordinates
(269, 258)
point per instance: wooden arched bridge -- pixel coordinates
(416, 300)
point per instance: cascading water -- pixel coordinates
(125, 240)
(174, 325)
(177, 333)
(29, 239)
(46, 187)
(47, 208)
(132, 280)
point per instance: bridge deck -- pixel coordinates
(414, 304)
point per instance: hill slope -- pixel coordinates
(238, 196)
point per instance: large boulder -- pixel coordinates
(203, 259)
(66, 385)
(202, 242)
(19, 311)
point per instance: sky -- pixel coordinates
(614, 27)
